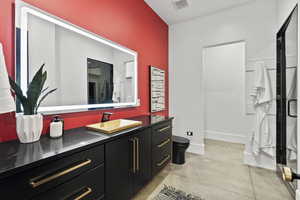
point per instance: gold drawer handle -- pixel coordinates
(163, 162)
(134, 154)
(57, 175)
(89, 190)
(137, 154)
(165, 128)
(163, 143)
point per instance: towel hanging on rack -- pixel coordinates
(7, 103)
(292, 122)
(261, 137)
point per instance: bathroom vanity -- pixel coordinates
(84, 164)
(91, 73)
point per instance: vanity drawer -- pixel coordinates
(49, 175)
(160, 163)
(163, 148)
(161, 132)
(88, 186)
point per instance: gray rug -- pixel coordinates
(171, 193)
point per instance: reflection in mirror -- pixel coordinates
(90, 72)
(100, 82)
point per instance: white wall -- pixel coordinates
(285, 7)
(255, 23)
(224, 70)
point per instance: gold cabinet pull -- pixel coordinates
(165, 128)
(137, 154)
(35, 184)
(163, 161)
(89, 190)
(134, 156)
(164, 143)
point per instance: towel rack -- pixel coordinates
(252, 70)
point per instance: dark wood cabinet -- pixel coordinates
(128, 165)
(161, 146)
(88, 186)
(35, 181)
(99, 167)
(142, 173)
(117, 165)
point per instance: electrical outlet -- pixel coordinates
(189, 133)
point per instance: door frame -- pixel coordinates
(281, 103)
(292, 7)
(297, 192)
(298, 110)
(203, 79)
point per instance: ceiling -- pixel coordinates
(197, 8)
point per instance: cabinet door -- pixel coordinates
(128, 165)
(117, 165)
(143, 160)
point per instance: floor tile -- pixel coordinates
(218, 175)
(268, 186)
(226, 152)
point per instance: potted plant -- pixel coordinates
(30, 122)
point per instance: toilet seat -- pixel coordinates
(180, 141)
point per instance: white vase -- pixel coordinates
(29, 127)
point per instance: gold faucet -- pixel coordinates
(106, 116)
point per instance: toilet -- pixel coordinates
(180, 145)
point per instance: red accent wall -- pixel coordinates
(131, 23)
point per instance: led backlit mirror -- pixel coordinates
(89, 71)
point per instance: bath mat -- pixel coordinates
(171, 193)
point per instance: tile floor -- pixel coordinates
(218, 175)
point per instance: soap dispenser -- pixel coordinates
(56, 127)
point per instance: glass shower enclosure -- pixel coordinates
(286, 103)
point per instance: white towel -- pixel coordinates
(292, 141)
(262, 90)
(7, 103)
(292, 122)
(116, 93)
(262, 139)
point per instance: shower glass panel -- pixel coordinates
(291, 52)
(287, 60)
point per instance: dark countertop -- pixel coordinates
(15, 157)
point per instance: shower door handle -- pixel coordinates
(289, 108)
(288, 175)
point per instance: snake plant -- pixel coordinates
(36, 93)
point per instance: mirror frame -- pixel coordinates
(23, 10)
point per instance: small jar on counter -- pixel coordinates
(56, 127)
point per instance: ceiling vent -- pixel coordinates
(180, 4)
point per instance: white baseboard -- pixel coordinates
(262, 161)
(298, 194)
(226, 137)
(196, 148)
